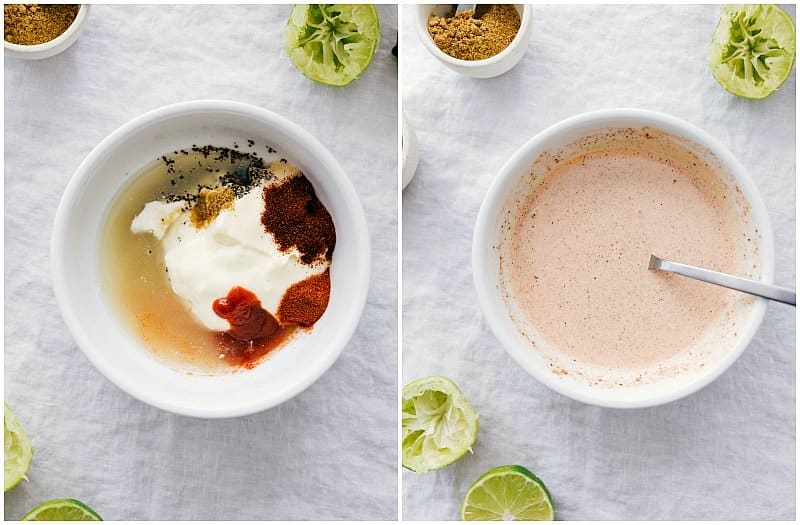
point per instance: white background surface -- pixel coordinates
(329, 453)
(725, 452)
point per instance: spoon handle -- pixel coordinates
(767, 291)
(460, 8)
(478, 10)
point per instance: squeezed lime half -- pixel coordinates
(62, 510)
(509, 493)
(332, 43)
(18, 450)
(753, 49)
(439, 425)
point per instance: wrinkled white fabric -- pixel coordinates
(329, 453)
(725, 452)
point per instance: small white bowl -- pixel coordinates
(488, 67)
(727, 344)
(410, 152)
(97, 325)
(53, 47)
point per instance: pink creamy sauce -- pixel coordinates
(576, 262)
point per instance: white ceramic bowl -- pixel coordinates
(53, 47)
(410, 152)
(486, 68)
(486, 265)
(96, 323)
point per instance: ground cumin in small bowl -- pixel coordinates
(466, 38)
(35, 31)
(482, 47)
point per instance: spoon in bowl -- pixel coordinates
(767, 291)
(478, 10)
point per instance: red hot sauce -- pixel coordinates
(242, 309)
(253, 331)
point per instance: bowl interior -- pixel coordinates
(95, 321)
(720, 346)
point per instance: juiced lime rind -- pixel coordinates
(753, 49)
(62, 510)
(439, 425)
(332, 43)
(507, 493)
(18, 450)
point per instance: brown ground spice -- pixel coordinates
(31, 24)
(297, 219)
(305, 302)
(210, 202)
(466, 38)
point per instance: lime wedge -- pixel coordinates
(439, 425)
(62, 510)
(752, 50)
(18, 450)
(332, 43)
(510, 493)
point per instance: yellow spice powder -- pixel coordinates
(467, 38)
(209, 204)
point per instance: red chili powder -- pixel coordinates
(297, 219)
(305, 302)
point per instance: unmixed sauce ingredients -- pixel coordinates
(581, 241)
(187, 192)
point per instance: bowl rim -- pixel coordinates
(427, 41)
(74, 27)
(59, 248)
(495, 199)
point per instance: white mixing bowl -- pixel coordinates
(725, 344)
(95, 321)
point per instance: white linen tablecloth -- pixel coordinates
(725, 452)
(329, 453)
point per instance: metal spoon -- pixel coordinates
(478, 10)
(767, 291)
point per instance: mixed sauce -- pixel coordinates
(576, 250)
(219, 255)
